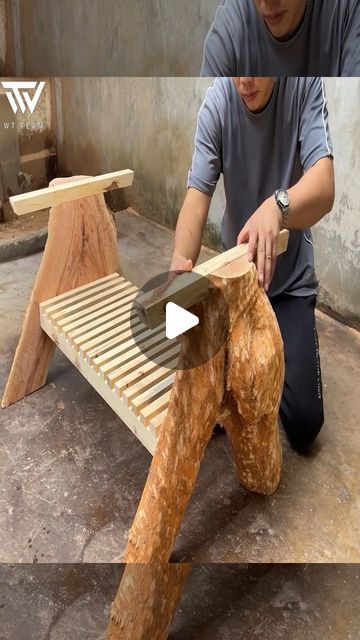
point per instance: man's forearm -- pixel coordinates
(313, 196)
(190, 227)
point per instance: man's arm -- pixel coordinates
(189, 230)
(310, 200)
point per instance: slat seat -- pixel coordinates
(94, 326)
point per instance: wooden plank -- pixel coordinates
(133, 350)
(147, 397)
(148, 367)
(98, 312)
(149, 380)
(96, 324)
(109, 329)
(154, 408)
(54, 303)
(156, 422)
(133, 363)
(144, 434)
(86, 288)
(186, 289)
(128, 346)
(69, 191)
(99, 328)
(112, 338)
(78, 309)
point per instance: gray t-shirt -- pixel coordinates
(327, 42)
(259, 153)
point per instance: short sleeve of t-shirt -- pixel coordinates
(219, 56)
(350, 58)
(206, 164)
(314, 135)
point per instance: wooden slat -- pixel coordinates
(147, 397)
(149, 380)
(120, 305)
(143, 433)
(111, 338)
(133, 350)
(78, 309)
(110, 329)
(84, 292)
(154, 408)
(135, 362)
(79, 335)
(86, 337)
(141, 339)
(148, 367)
(68, 191)
(156, 421)
(187, 289)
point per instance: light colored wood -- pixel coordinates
(95, 328)
(148, 367)
(78, 309)
(69, 191)
(189, 288)
(139, 403)
(146, 339)
(97, 313)
(141, 362)
(150, 348)
(109, 329)
(144, 434)
(116, 336)
(81, 248)
(146, 601)
(148, 381)
(102, 283)
(154, 408)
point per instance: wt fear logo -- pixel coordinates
(19, 98)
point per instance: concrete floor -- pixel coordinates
(72, 474)
(219, 602)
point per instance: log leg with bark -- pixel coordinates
(241, 385)
(146, 601)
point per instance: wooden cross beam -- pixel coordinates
(189, 287)
(69, 191)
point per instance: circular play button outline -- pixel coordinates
(153, 342)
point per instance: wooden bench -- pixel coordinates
(82, 303)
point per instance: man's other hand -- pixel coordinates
(262, 232)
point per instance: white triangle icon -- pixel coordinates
(178, 320)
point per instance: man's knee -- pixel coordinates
(302, 424)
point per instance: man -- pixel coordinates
(284, 37)
(269, 138)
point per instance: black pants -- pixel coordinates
(301, 409)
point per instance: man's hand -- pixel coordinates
(262, 232)
(180, 264)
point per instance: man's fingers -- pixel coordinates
(261, 259)
(243, 235)
(274, 258)
(253, 241)
(268, 262)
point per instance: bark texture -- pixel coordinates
(146, 601)
(240, 387)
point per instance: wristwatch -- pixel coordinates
(283, 202)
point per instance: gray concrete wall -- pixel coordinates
(108, 37)
(3, 35)
(149, 125)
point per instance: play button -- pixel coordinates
(187, 311)
(178, 320)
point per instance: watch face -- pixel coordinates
(283, 198)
